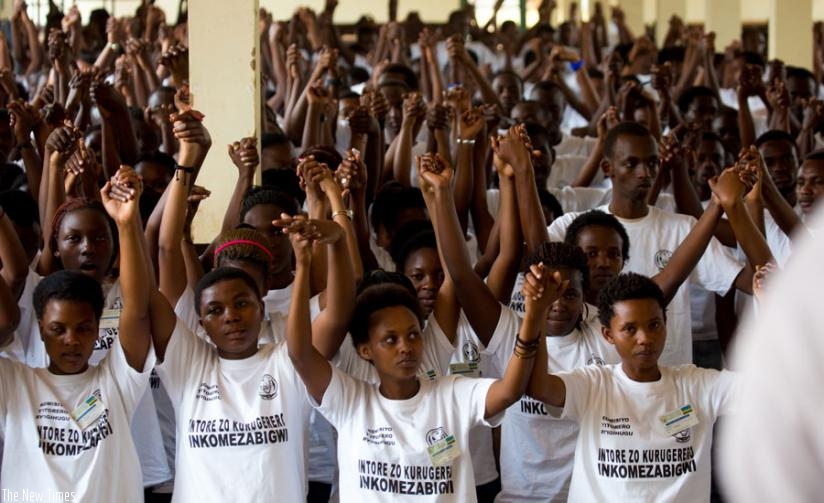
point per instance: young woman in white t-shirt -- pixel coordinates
(645, 430)
(405, 435)
(67, 426)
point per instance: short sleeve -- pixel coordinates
(471, 393)
(185, 353)
(577, 384)
(717, 269)
(437, 347)
(502, 342)
(130, 383)
(342, 395)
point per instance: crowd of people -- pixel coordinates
(482, 264)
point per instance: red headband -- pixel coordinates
(243, 242)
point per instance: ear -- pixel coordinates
(607, 335)
(606, 167)
(364, 352)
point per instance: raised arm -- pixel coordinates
(481, 307)
(688, 253)
(9, 314)
(542, 287)
(121, 198)
(244, 156)
(310, 364)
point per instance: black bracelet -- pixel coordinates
(528, 345)
(187, 170)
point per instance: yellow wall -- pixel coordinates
(349, 11)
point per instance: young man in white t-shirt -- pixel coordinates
(631, 161)
(645, 430)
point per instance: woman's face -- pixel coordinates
(69, 330)
(85, 243)
(260, 217)
(423, 268)
(231, 314)
(565, 312)
(395, 344)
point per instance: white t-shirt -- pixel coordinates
(575, 145)
(536, 448)
(94, 461)
(771, 445)
(241, 423)
(468, 360)
(386, 455)
(624, 451)
(146, 430)
(437, 352)
(653, 239)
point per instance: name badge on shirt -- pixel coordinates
(89, 411)
(464, 368)
(679, 420)
(110, 318)
(430, 374)
(444, 451)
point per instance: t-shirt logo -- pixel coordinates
(268, 387)
(470, 352)
(662, 258)
(683, 436)
(435, 435)
(595, 360)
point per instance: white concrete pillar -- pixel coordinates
(724, 18)
(224, 74)
(634, 11)
(791, 32)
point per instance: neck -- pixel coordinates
(591, 297)
(650, 374)
(790, 197)
(396, 389)
(282, 279)
(628, 208)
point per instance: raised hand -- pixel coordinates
(244, 154)
(106, 98)
(458, 99)
(434, 173)
(471, 123)
(188, 128)
(761, 278)
(313, 175)
(727, 187)
(514, 148)
(542, 288)
(299, 228)
(24, 119)
(176, 60)
(351, 175)
(437, 117)
(121, 195)
(62, 142)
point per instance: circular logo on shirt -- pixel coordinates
(470, 352)
(268, 387)
(435, 435)
(662, 258)
(682, 437)
(595, 360)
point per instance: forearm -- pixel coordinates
(464, 179)
(505, 267)
(232, 216)
(590, 168)
(329, 329)
(752, 241)
(745, 122)
(686, 199)
(518, 372)
(170, 252)
(340, 216)
(15, 266)
(402, 162)
(688, 253)
(311, 127)
(533, 223)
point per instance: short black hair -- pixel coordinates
(776, 135)
(21, 207)
(379, 276)
(267, 195)
(556, 255)
(691, 93)
(160, 158)
(283, 180)
(390, 200)
(600, 219)
(627, 286)
(553, 136)
(508, 73)
(626, 128)
(800, 73)
(673, 54)
(73, 286)
(222, 274)
(323, 154)
(409, 77)
(411, 237)
(375, 298)
(815, 155)
(551, 202)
